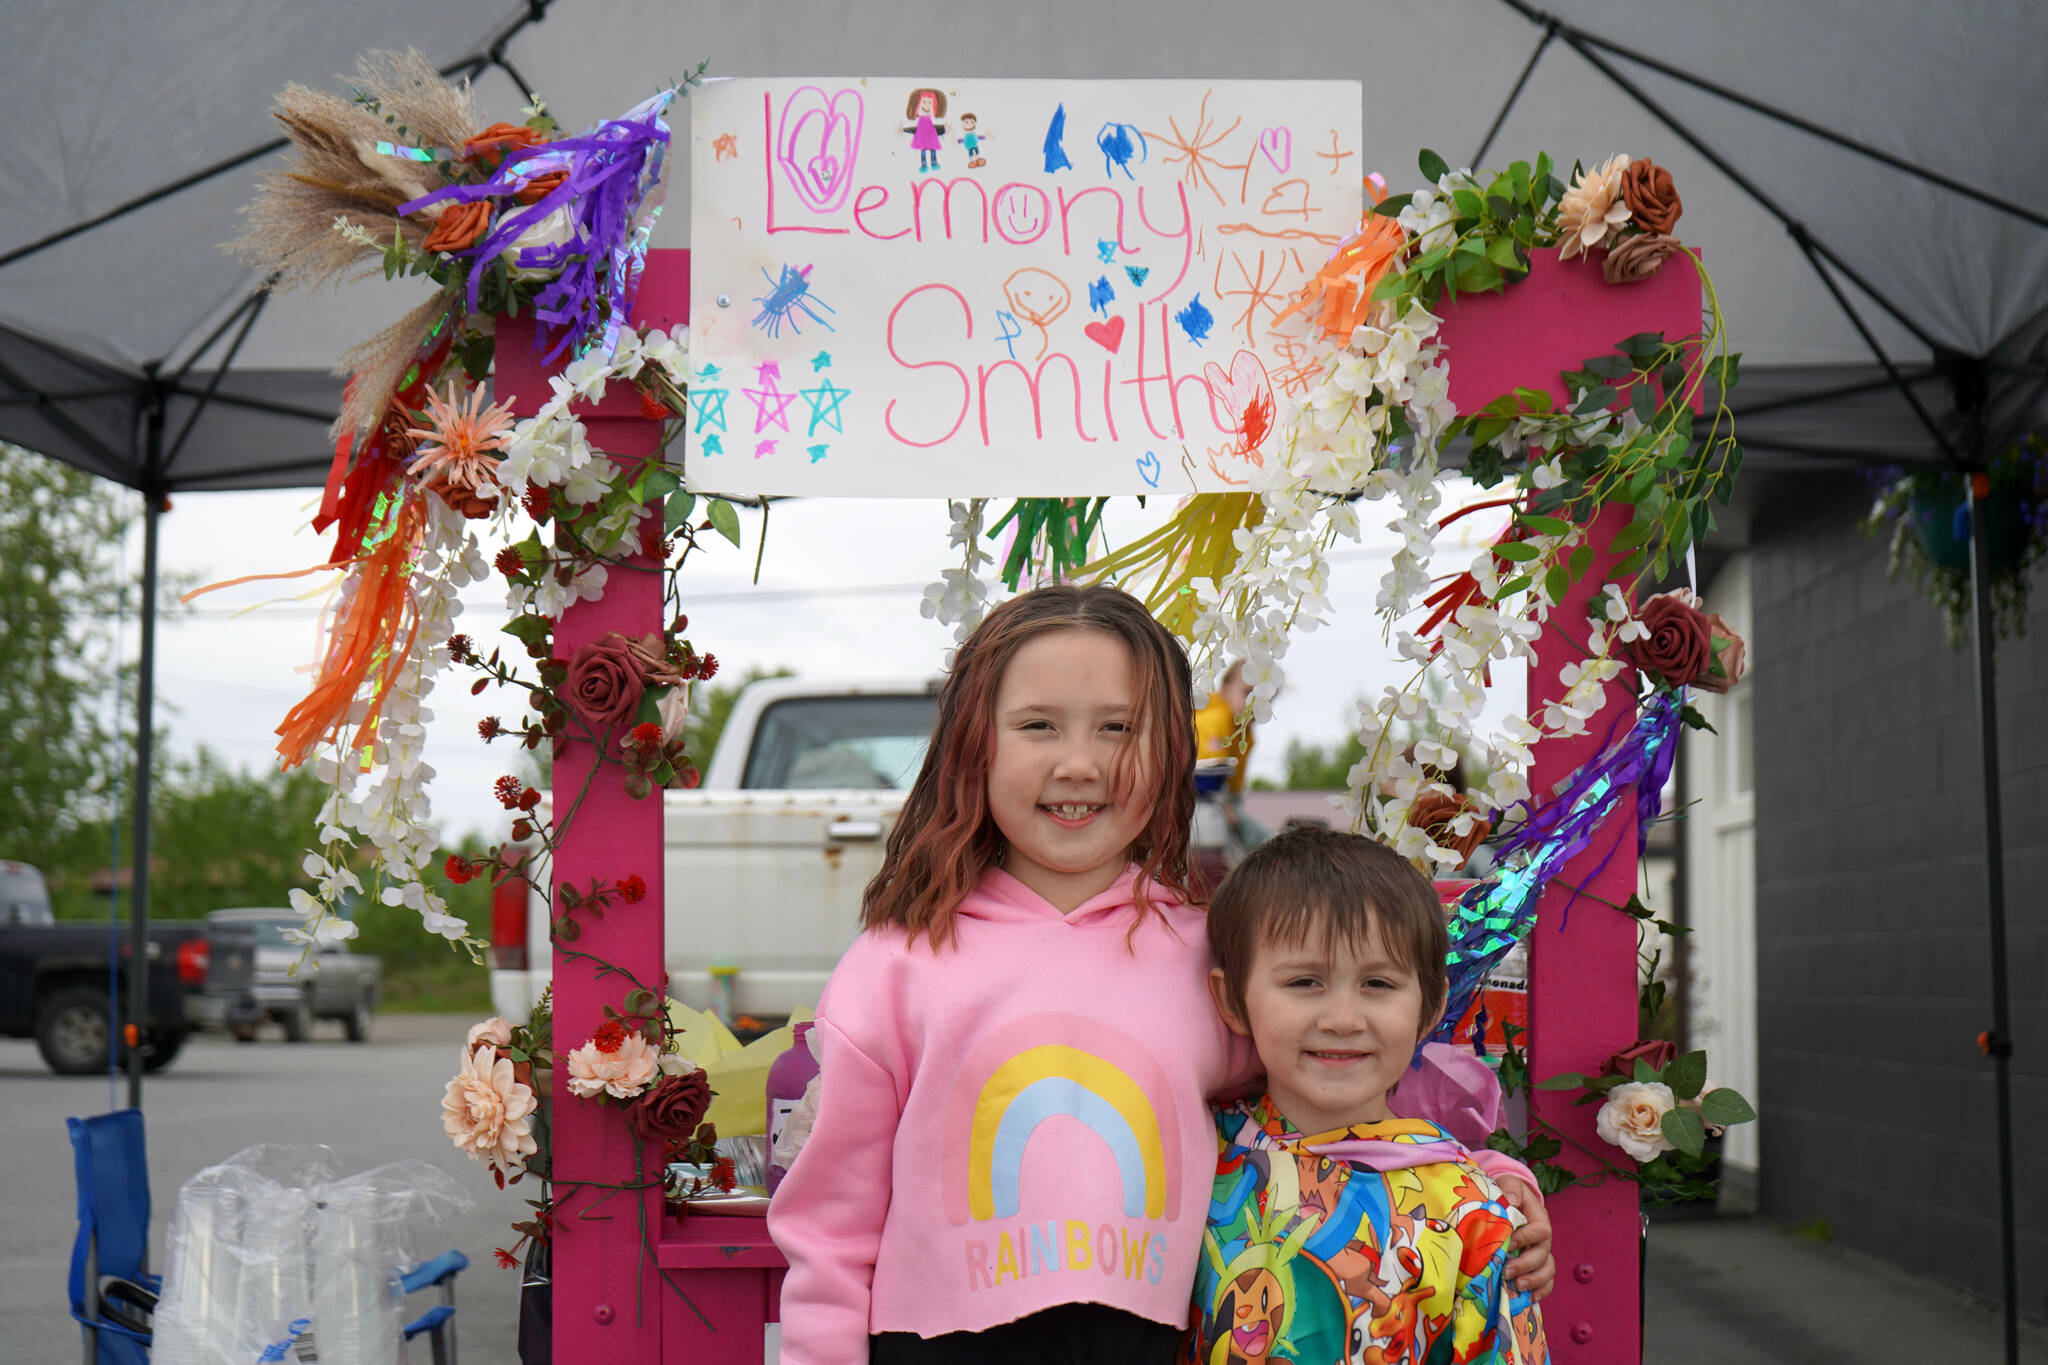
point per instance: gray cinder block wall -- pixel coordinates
(1872, 959)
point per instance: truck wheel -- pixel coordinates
(163, 1049)
(298, 1020)
(72, 1031)
(358, 1021)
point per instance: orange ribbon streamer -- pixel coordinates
(1341, 292)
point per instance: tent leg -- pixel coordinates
(145, 741)
(1999, 1042)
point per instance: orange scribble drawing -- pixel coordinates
(1334, 156)
(1286, 199)
(1263, 295)
(1196, 148)
(1039, 297)
(1300, 366)
(725, 147)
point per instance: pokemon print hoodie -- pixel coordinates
(1014, 1122)
(1377, 1243)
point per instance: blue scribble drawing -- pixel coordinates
(786, 298)
(1100, 296)
(1148, 468)
(708, 372)
(819, 452)
(824, 401)
(1118, 147)
(711, 445)
(1136, 274)
(771, 404)
(1195, 320)
(1011, 330)
(1056, 155)
(763, 448)
(821, 361)
(1105, 249)
(707, 407)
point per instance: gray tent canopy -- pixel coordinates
(1866, 178)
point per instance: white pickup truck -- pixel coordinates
(774, 847)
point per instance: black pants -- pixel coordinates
(1071, 1334)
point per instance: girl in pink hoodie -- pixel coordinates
(1013, 1151)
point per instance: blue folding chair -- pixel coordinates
(114, 1297)
(112, 1293)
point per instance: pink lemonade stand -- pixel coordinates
(635, 1286)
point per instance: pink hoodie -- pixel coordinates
(1015, 1122)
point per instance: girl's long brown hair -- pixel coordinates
(945, 840)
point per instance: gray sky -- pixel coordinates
(838, 598)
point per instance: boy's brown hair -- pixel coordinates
(1312, 884)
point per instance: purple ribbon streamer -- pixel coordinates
(613, 184)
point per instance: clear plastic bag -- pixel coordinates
(269, 1256)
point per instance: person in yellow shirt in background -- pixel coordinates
(1216, 733)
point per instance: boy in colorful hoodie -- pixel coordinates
(1339, 1231)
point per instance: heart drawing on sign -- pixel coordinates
(816, 144)
(1109, 335)
(1246, 394)
(1278, 145)
(1148, 468)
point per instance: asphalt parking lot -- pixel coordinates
(372, 1104)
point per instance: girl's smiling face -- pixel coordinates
(926, 105)
(1064, 717)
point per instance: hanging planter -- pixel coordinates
(1926, 517)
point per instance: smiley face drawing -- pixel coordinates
(1038, 297)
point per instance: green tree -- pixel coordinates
(1317, 767)
(61, 588)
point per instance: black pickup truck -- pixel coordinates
(54, 980)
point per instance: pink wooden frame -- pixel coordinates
(710, 1284)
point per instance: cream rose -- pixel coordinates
(494, 1030)
(486, 1113)
(1633, 1118)
(622, 1074)
(558, 228)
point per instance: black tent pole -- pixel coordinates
(1998, 1042)
(145, 698)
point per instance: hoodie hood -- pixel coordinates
(1001, 898)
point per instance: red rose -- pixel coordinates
(604, 684)
(1432, 812)
(1680, 644)
(672, 1108)
(1655, 1053)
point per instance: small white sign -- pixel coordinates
(916, 287)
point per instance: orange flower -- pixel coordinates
(541, 186)
(456, 457)
(1652, 199)
(500, 137)
(459, 226)
(1433, 813)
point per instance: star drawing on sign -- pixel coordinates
(821, 361)
(708, 407)
(824, 402)
(763, 448)
(711, 445)
(771, 404)
(819, 452)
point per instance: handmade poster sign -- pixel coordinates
(980, 287)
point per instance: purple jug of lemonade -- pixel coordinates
(787, 1079)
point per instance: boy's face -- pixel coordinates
(1335, 1032)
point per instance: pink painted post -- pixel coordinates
(1582, 988)
(606, 1286)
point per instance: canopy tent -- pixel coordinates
(1864, 179)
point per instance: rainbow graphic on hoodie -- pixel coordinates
(1046, 1066)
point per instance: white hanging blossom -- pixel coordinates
(379, 795)
(960, 597)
